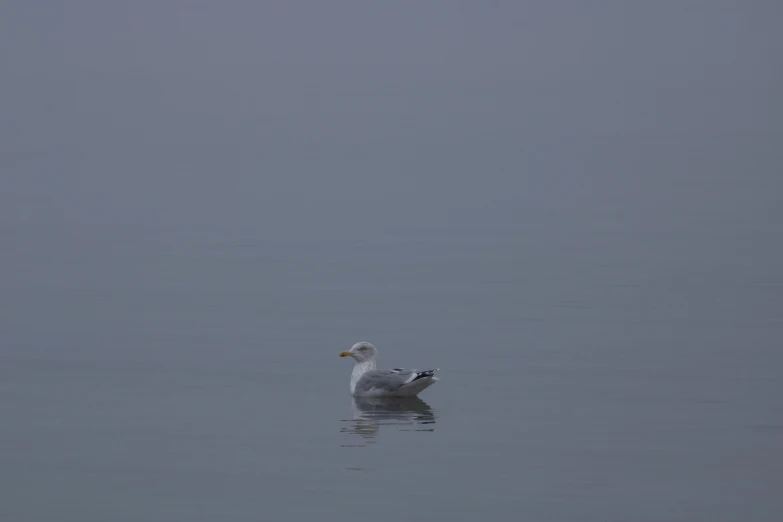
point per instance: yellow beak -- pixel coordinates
(345, 354)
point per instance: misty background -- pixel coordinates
(572, 208)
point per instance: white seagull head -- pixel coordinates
(361, 352)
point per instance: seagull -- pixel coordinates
(366, 381)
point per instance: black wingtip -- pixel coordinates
(426, 373)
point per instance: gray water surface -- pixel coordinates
(179, 378)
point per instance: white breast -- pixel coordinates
(360, 369)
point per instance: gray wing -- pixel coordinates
(389, 381)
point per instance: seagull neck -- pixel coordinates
(364, 366)
(359, 369)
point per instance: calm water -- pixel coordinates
(182, 376)
(573, 209)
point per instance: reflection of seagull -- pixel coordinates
(370, 413)
(368, 382)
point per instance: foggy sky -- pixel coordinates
(349, 118)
